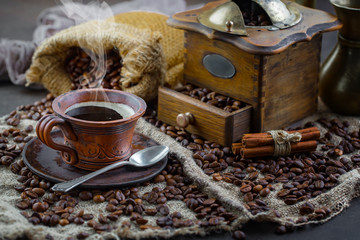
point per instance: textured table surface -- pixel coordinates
(17, 21)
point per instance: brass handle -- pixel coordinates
(184, 119)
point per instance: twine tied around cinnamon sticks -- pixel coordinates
(283, 140)
(277, 143)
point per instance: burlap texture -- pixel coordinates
(13, 224)
(152, 52)
(141, 52)
(172, 41)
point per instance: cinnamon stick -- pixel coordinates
(262, 144)
(263, 141)
(266, 135)
(306, 146)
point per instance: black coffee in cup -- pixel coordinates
(94, 113)
(99, 111)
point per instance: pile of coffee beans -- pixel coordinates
(85, 72)
(251, 19)
(350, 140)
(303, 176)
(43, 206)
(228, 104)
(31, 111)
(8, 152)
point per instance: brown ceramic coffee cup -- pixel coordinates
(92, 139)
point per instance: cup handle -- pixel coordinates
(43, 130)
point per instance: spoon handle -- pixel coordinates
(68, 185)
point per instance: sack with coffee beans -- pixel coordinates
(111, 54)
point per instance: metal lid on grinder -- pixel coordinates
(228, 16)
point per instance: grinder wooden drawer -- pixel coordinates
(210, 122)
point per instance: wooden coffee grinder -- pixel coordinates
(265, 53)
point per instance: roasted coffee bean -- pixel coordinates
(141, 221)
(264, 192)
(78, 221)
(34, 220)
(102, 228)
(290, 200)
(34, 182)
(191, 203)
(151, 197)
(40, 207)
(110, 208)
(151, 211)
(319, 184)
(209, 201)
(280, 229)
(245, 188)
(217, 177)
(80, 213)
(283, 193)
(159, 178)
(102, 219)
(163, 209)
(87, 216)
(82, 235)
(134, 216)
(39, 191)
(129, 209)
(91, 223)
(239, 235)
(176, 215)
(6, 160)
(54, 220)
(15, 168)
(63, 222)
(119, 195)
(248, 197)
(164, 221)
(23, 204)
(29, 128)
(99, 198)
(356, 159)
(19, 188)
(306, 208)
(112, 217)
(257, 188)
(161, 200)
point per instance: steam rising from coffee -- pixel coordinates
(98, 11)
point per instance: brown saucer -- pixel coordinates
(47, 163)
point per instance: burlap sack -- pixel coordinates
(172, 41)
(148, 47)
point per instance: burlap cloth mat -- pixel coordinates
(13, 224)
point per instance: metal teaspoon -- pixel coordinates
(143, 158)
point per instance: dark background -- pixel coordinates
(18, 21)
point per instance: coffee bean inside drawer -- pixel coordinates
(200, 111)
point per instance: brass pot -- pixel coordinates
(340, 74)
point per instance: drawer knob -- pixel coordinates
(184, 119)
